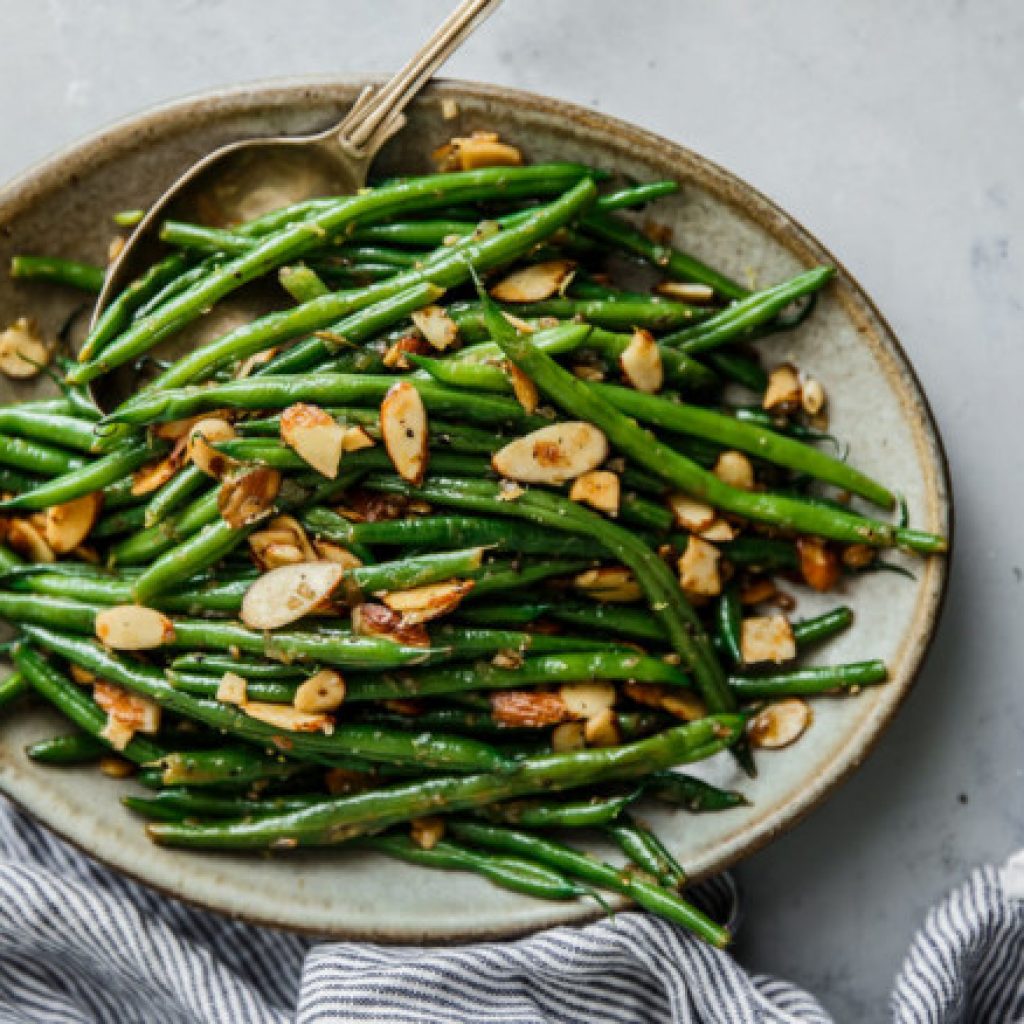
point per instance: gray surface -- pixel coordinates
(896, 133)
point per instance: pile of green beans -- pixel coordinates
(559, 667)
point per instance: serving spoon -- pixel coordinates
(250, 177)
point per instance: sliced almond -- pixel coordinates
(585, 700)
(641, 363)
(276, 555)
(131, 627)
(527, 709)
(611, 584)
(176, 430)
(599, 489)
(82, 676)
(858, 556)
(324, 691)
(819, 563)
(691, 514)
(481, 149)
(783, 393)
(602, 730)
(593, 374)
(314, 435)
(153, 475)
(421, 604)
(394, 358)
(552, 455)
(247, 497)
(132, 709)
(287, 594)
(767, 638)
(645, 693)
(116, 767)
(331, 552)
(436, 326)
(249, 366)
(812, 396)
(369, 619)
(720, 531)
(535, 283)
(524, 389)
(202, 436)
(68, 525)
(568, 736)
(232, 689)
(23, 353)
(735, 469)
(685, 291)
(780, 724)
(403, 425)
(758, 591)
(426, 833)
(296, 534)
(508, 490)
(356, 439)
(699, 572)
(117, 733)
(684, 705)
(288, 718)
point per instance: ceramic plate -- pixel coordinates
(63, 207)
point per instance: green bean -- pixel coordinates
(325, 389)
(128, 218)
(183, 235)
(225, 764)
(806, 682)
(182, 486)
(52, 269)
(13, 687)
(462, 643)
(635, 623)
(646, 893)
(155, 540)
(507, 613)
(127, 520)
(647, 852)
(84, 479)
(249, 669)
(73, 702)
(589, 813)
(501, 577)
(118, 313)
(821, 627)
(740, 367)
(302, 283)
(763, 553)
(589, 403)
(67, 431)
(345, 818)
(653, 313)
(508, 872)
(341, 649)
(296, 239)
(37, 457)
(182, 802)
(636, 195)
(12, 480)
(68, 751)
(742, 320)
(781, 425)
(695, 795)
(730, 622)
(272, 691)
(177, 286)
(534, 671)
(346, 741)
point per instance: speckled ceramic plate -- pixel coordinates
(63, 207)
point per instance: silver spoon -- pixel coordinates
(247, 178)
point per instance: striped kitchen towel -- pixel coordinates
(80, 944)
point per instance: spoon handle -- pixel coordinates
(383, 107)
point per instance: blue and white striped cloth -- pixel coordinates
(81, 945)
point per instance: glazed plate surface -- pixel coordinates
(63, 207)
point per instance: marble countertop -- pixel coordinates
(895, 132)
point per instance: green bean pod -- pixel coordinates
(68, 751)
(696, 795)
(85, 277)
(808, 682)
(647, 852)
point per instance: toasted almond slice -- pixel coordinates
(758, 591)
(68, 525)
(296, 533)
(602, 730)
(780, 724)
(436, 326)
(783, 392)
(521, 325)
(247, 497)
(568, 736)
(369, 619)
(286, 595)
(403, 425)
(593, 374)
(426, 833)
(324, 691)
(314, 435)
(612, 584)
(858, 556)
(527, 709)
(689, 513)
(117, 733)
(249, 366)
(552, 455)
(812, 396)
(421, 604)
(819, 563)
(116, 767)
(524, 389)
(645, 693)
(23, 353)
(232, 689)
(479, 150)
(536, 282)
(508, 658)
(82, 676)
(153, 475)
(356, 439)
(394, 358)
(684, 704)
(202, 436)
(699, 573)
(585, 700)
(331, 552)
(132, 709)
(720, 531)
(685, 291)
(284, 716)
(767, 638)
(27, 539)
(175, 430)
(599, 489)
(641, 363)
(508, 490)
(735, 469)
(131, 627)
